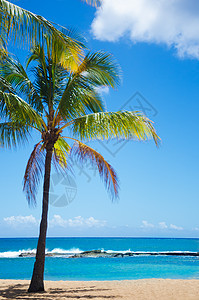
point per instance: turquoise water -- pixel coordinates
(61, 267)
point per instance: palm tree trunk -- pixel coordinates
(37, 281)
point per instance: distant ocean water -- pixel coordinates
(61, 267)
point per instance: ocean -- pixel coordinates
(59, 266)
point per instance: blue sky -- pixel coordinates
(159, 190)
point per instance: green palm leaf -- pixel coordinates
(121, 125)
(100, 69)
(81, 94)
(25, 27)
(18, 110)
(15, 75)
(13, 134)
(5, 86)
(79, 101)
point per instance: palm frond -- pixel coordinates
(18, 110)
(78, 101)
(64, 54)
(121, 125)
(13, 134)
(57, 53)
(5, 86)
(14, 73)
(50, 77)
(100, 69)
(80, 96)
(3, 38)
(61, 152)
(33, 173)
(93, 2)
(83, 153)
(40, 72)
(28, 28)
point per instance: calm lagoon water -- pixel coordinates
(61, 267)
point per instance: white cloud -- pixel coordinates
(20, 220)
(172, 226)
(146, 224)
(174, 23)
(76, 222)
(57, 220)
(163, 225)
(103, 90)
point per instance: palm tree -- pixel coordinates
(63, 104)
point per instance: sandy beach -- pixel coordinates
(161, 289)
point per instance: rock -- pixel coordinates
(99, 253)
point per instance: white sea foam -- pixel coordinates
(122, 251)
(55, 251)
(63, 251)
(14, 254)
(9, 254)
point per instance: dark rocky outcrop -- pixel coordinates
(99, 253)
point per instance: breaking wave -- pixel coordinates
(32, 252)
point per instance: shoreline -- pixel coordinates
(141, 289)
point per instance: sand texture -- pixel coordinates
(145, 289)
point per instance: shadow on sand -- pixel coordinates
(19, 291)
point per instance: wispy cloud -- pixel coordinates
(76, 222)
(103, 90)
(20, 220)
(175, 227)
(163, 225)
(56, 221)
(80, 222)
(174, 23)
(146, 224)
